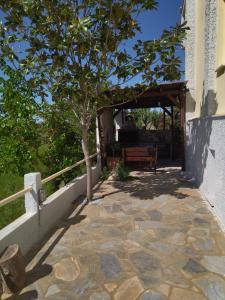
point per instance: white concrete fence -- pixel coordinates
(40, 218)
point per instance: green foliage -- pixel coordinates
(71, 52)
(10, 184)
(105, 173)
(150, 119)
(121, 172)
(147, 118)
(75, 49)
(18, 112)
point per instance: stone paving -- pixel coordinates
(150, 238)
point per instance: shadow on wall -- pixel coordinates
(198, 138)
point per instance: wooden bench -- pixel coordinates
(141, 154)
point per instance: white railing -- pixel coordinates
(43, 181)
(41, 217)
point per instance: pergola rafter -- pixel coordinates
(165, 96)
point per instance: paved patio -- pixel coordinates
(151, 238)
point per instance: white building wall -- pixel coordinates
(205, 147)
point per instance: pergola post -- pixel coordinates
(101, 140)
(164, 120)
(172, 130)
(182, 99)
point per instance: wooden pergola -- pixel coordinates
(165, 96)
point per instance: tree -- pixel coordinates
(18, 127)
(146, 118)
(75, 51)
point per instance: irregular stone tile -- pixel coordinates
(129, 289)
(174, 277)
(199, 232)
(82, 287)
(100, 296)
(178, 238)
(115, 208)
(214, 264)
(110, 287)
(52, 290)
(63, 295)
(110, 265)
(191, 239)
(193, 266)
(220, 240)
(189, 252)
(212, 286)
(148, 267)
(149, 224)
(203, 245)
(202, 210)
(137, 235)
(67, 269)
(110, 245)
(161, 247)
(178, 294)
(151, 295)
(164, 232)
(201, 222)
(164, 289)
(155, 215)
(144, 261)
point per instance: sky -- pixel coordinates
(153, 22)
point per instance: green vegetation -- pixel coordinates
(58, 60)
(105, 173)
(121, 172)
(10, 184)
(150, 119)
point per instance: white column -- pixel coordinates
(98, 145)
(31, 198)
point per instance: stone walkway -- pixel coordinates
(151, 238)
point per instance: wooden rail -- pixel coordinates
(45, 180)
(15, 196)
(53, 176)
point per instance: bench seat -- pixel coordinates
(141, 154)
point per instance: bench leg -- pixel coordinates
(155, 168)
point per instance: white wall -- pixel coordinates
(205, 128)
(30, 228)
(205, 159)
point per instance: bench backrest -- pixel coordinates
(140, 152)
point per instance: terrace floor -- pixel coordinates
(150, 238)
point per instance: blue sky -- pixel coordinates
(153, 22)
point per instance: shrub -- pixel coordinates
(121, 172)
(105, 173)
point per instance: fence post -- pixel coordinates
(32, 197)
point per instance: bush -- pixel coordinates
(10, 184)
(121, 172)
(105, 173)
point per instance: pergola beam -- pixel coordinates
(166, 110)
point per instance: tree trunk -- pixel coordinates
(12, 269)
(85, 148)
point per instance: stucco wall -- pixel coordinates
(205, 140)
(205, 159)
(30, 228)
